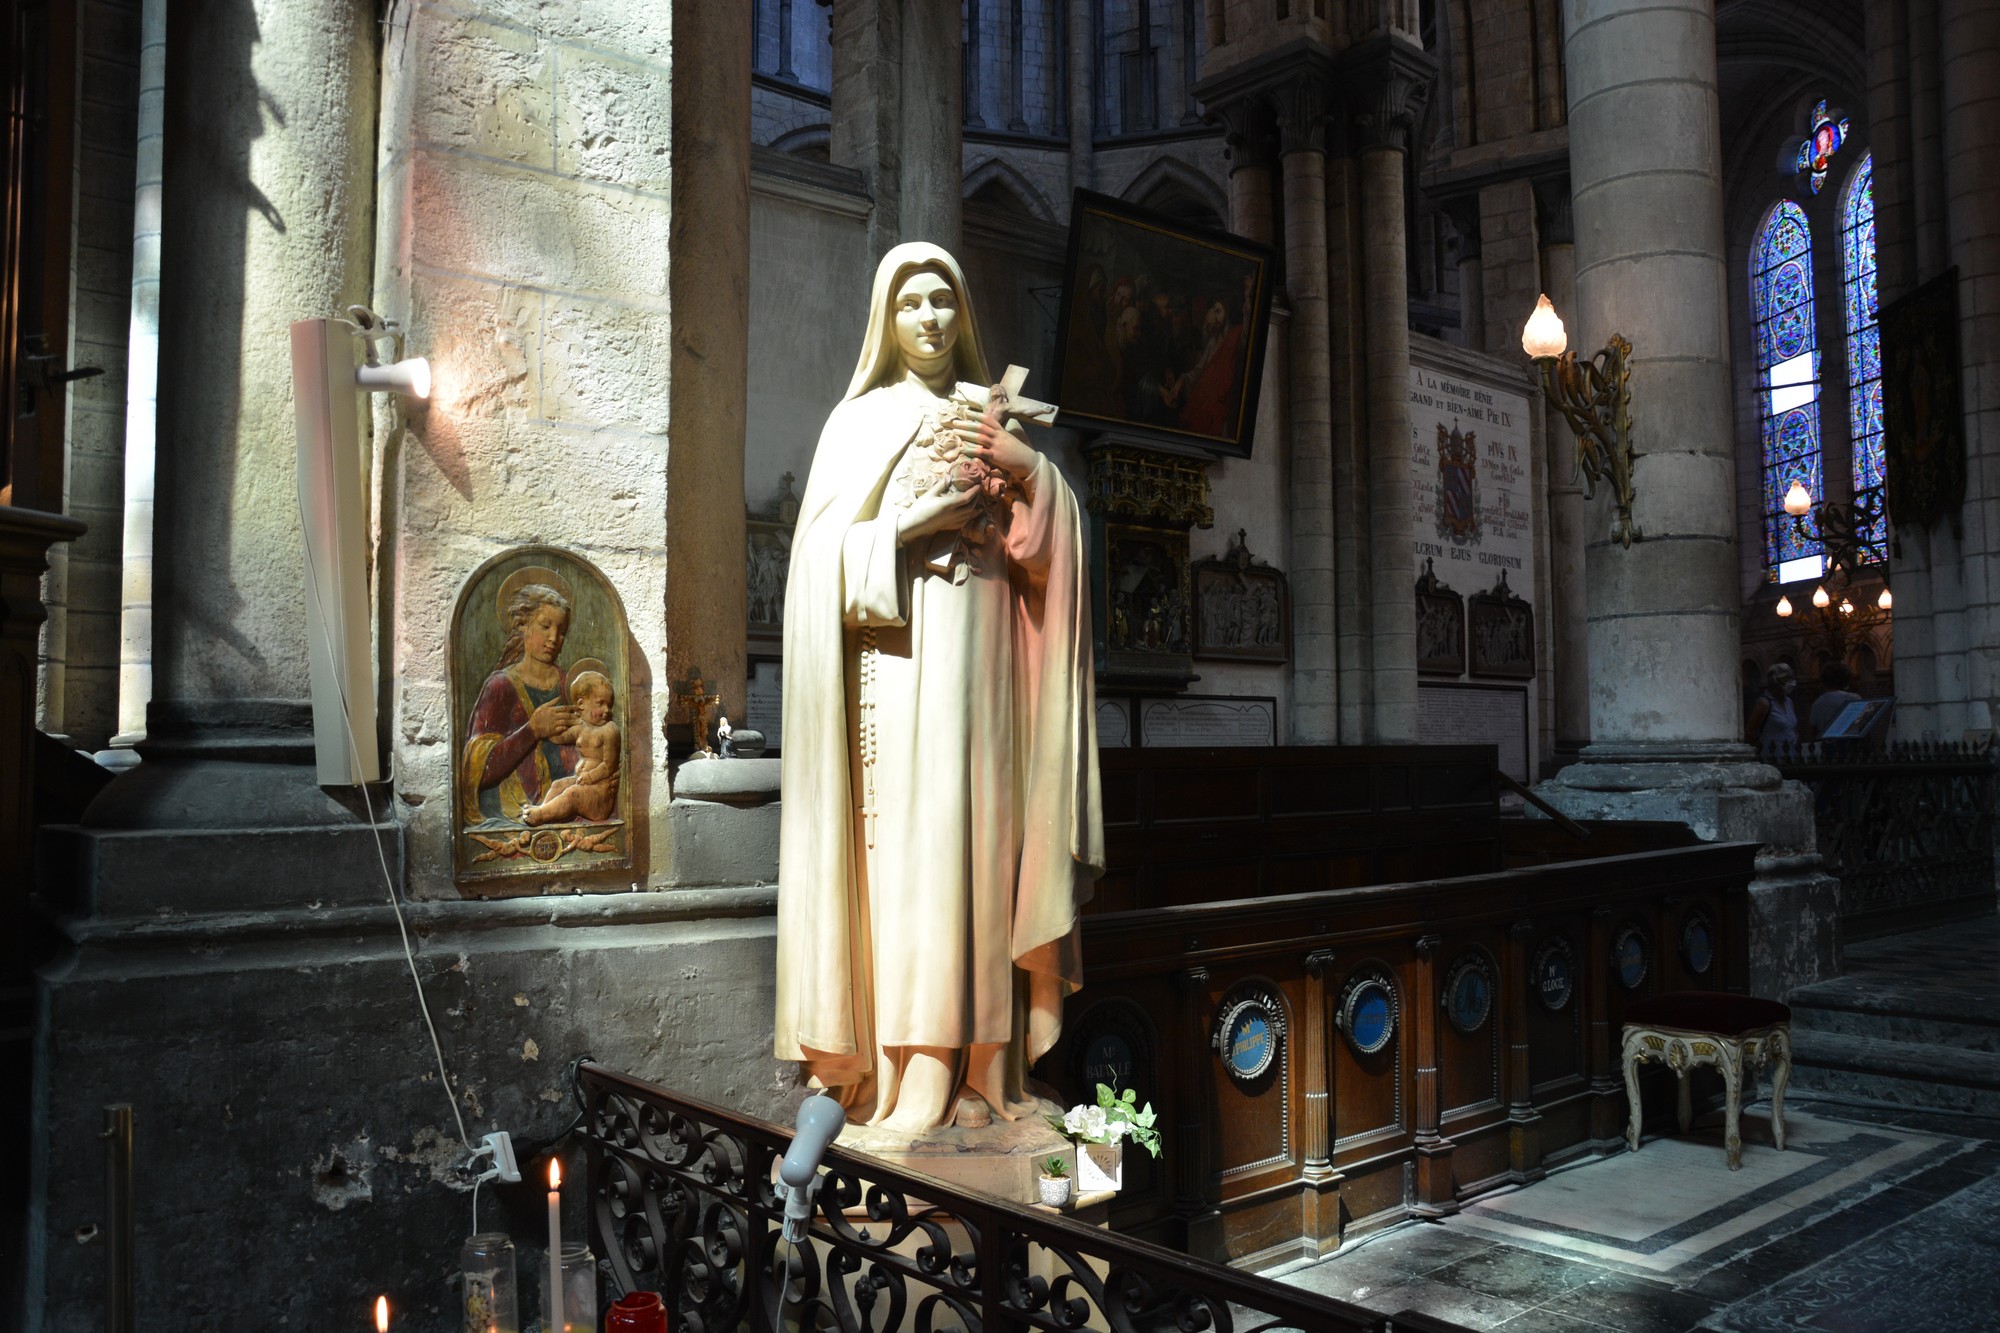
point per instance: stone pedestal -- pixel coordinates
(724, 819)
(1001, 1159)
(1725, 796)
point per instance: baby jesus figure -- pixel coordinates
(592, 791)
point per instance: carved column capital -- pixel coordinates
(1249, 134)
(1552, 211)
(1388, 81)
(1462, 211)
(1301, 104)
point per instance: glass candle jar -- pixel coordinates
(490, 1284)
(579, 1291)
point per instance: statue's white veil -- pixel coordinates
(881, 359)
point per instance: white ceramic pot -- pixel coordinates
(1099, 1166)
(1055, 1191)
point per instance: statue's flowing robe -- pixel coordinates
(959, 926)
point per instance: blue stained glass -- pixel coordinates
(1781, 290)
(1864, 336)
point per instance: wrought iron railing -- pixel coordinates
(1907, 828)
(683, 1203)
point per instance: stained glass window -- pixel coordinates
(1819, 146)
(1864, 337)
(1781, 293)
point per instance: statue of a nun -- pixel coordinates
(941, 813)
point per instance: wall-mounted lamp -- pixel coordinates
(1840, 530)
(1885, 601)
(1595, 398)
(333, 511)
(1784, 606)
(1820, 599)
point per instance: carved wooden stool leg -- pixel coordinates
(1729, 1058)
(1686, 1104)
(1781, 1048)
(1632, 1047)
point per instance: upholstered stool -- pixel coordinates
(1703, 1027)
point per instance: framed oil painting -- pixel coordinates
(1162, 328)
(542, 712)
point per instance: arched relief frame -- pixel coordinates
(1275, 1074)
(495, 850)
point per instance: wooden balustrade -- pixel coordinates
(1336, 1136)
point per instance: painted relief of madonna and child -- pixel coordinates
(538, 687)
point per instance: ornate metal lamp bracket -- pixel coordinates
(1595, 398)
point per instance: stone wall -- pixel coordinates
(523, 239)
(80, 670)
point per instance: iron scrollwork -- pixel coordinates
(682, 1202)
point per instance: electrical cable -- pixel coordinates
(381, 853)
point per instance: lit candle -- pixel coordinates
(555, 1247)
(381, 1314)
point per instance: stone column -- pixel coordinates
(1969, 47)
(1464, 215)
(1352, 551)
(1301, 108)
(1250, 133)
(264, 216)
(898, 82)
(1080, 66)
(266, 219)
(1665, 716)
(708, 284)
(1566, 611)
(1391, 74)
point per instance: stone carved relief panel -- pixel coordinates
(542, 712)
(1242, 607)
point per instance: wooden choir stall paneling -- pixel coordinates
(1429, 1024)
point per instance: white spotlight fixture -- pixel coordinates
(333, 509)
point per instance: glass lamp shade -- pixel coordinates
(1784, 607)
(1846, 607)
(1885, 601)
(1544, 335)
(1798, 500)
(1820, 599)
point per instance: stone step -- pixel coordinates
(1905, 1073)
(1896, 1013)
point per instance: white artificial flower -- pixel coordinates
(1117, 1130)
(1093, 1124)
(1073, 1120)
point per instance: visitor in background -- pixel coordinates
(1773, 726)
(1836, 678)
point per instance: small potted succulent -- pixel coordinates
(1100, 1132)
(1055, 1182)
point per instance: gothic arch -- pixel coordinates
(995, 174)
(1172, 186)
(806, 140)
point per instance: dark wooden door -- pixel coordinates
(39, 163)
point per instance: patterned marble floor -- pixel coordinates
(1869, 1216)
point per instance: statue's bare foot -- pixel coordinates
(972, 1112)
